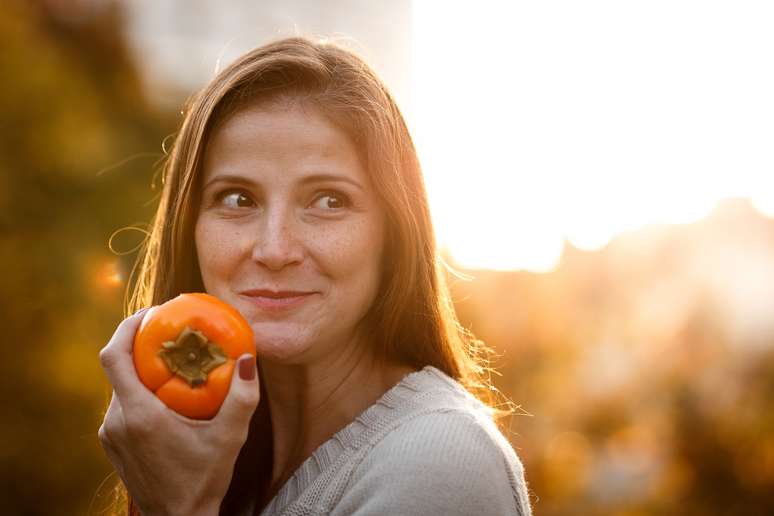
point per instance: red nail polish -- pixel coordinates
(247, 368)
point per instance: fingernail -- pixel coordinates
(247, 368)
(140, 311)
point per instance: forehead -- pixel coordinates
(288, 131)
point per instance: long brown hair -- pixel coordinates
(412, 320)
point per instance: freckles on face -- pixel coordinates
(289, 229)
(345, 251)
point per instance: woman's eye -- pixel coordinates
(331, 201)
(234, 199)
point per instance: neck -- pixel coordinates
(311, 402)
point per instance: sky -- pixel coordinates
(537, 123)
(544, 121)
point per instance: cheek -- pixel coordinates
(213, 250)
(352, 253)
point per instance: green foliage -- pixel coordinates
(72, 109)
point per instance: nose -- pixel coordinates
(277, 243)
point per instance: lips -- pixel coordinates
(272, 294)
(275, 300)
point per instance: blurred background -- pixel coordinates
(600, 172)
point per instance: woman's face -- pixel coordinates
(289, 231)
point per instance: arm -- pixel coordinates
(440, 463)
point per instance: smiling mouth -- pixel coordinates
(272, 294)
(276, 300)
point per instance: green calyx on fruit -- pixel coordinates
(192, 356)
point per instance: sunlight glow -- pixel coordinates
(538, 122)
(109, 275)
(763, 201)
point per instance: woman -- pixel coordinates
(293, 192)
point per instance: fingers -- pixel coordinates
(243, 395)
(116, 360)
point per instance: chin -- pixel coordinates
(278, 344)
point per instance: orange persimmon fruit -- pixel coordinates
(185, 351)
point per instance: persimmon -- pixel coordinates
(185, 351)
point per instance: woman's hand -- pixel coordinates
(171, 464)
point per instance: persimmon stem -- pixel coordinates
(192, 356)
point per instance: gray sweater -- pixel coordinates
(426, 447)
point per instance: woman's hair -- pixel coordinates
(412, 320)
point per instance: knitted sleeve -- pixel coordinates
(450, 463)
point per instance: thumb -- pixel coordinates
(243, 395)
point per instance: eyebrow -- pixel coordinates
(313, 178)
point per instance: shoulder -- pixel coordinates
(444, 458)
